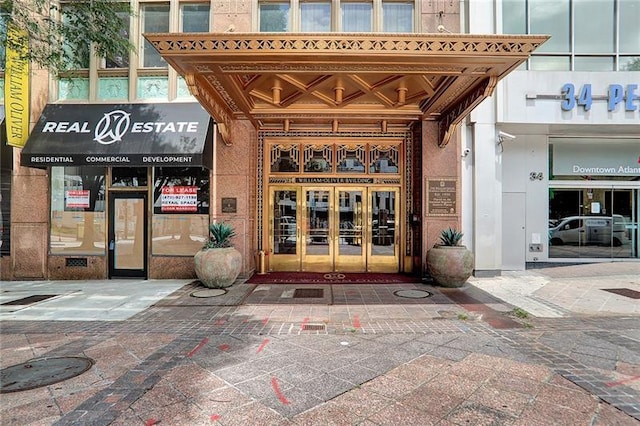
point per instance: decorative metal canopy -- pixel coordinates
(342, 80)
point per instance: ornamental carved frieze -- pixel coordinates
(348, 68)
(418, 43)
(453, 116)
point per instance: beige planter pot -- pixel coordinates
(450, 266)
(218, 267)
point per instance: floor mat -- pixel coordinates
(331, 278)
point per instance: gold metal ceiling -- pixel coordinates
(287, 81)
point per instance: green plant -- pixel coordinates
(520, 313)
(450, 237)
(220, 234)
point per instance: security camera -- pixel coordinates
(465, 152)
(505, 135)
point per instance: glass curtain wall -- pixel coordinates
(586, 35)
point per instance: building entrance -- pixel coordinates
(327, 228)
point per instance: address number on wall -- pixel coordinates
(573, 97)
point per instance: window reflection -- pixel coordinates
(274, 17)
(285, 158)
(77, 210)
(593, 26)
(315, 17)
(318, 158)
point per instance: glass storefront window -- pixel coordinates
(180, 224)
(77, 211)
(128, 176)
(593, 222)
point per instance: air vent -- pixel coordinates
(313, 327)
(76, 261)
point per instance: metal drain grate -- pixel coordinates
(76, 261)
(31, 299)
(626, 292)
(313, 327)
(308, 293)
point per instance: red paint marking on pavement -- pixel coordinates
(151, 422)
(265, 321)
(215, 417)
(224, 347)
(262, 345)
(619, 382)
(198, 346)
(305, 320)
(276, 388)
(356, 321)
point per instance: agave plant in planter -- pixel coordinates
(218, 263)
(450, 263)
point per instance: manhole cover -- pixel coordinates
(308, 293)
(210, 292)
(42, 372)
(412, 294)
(30, 300)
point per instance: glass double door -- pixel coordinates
(334, 229)
(594, 222)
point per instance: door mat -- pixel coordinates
(331, 278)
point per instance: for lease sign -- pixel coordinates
(179, 199)
(77, 198)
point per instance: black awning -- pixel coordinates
(121, 135)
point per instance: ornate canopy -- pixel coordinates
(341, 80)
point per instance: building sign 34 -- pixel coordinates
(617, 94)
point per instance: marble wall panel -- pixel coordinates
(29, 245)
(96, 268)
(438, 163)
(163, 267)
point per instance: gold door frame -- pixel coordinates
(294, 147)
(298, 242)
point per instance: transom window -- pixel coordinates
(339, 158)
(332, 16)
(593, 35)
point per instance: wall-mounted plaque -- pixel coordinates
(441, 197)
(229, 205)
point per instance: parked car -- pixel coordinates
(604, 230)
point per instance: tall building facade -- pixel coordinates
(553, 173)
(334, 136)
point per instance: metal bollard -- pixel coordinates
(262, 267)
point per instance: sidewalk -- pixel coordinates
(456, 357)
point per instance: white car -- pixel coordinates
(603, 230)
